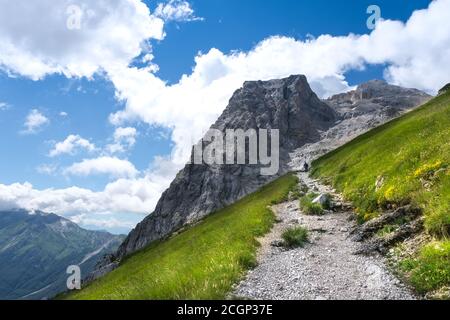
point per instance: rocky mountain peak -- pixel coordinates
(297, 83)
(377, 96)
(287, 104)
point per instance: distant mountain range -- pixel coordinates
(36, 249)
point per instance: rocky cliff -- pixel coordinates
(308, 127)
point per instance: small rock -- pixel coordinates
(277, 243)
(278, 220)
(379, 183)
(322, 199)
(337, 205)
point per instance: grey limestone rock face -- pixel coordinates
(377, 96)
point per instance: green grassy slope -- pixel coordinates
(202, 262)
(404, 161)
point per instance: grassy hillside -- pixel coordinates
(202, 262)
(404, 161)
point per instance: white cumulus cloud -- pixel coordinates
(415, 53)
(36, 40)
(70, 145)
(176, 10)
(112, 166)
(48, 169)
(3, 106)
(99, 221)
(124, 139)
(34, 121)
(126, 195)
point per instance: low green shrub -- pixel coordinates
(295, 237)
(310, 208)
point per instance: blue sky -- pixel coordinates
(81, 103)
(240, 25)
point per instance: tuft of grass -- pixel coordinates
(310, 208)
(405, 161)
(202, 262)
(387, 229)
(395, 225)
(431, 269)
(295, 237)
(299, 191)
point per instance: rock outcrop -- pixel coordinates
(444, 89)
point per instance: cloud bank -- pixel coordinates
(136, 196)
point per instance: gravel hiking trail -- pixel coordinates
(326, 268)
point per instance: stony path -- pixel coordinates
(326, 268)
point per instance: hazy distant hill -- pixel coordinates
(36, 249)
